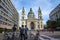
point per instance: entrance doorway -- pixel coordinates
(32, 25)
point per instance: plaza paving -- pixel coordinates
(55, 35)
(44, 35)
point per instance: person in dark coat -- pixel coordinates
(14, 32)
(22, 33)
(14, 28)
(26, 30)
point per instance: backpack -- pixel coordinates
(26, 29)
(14, 28)
(22, 31)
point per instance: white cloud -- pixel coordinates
(20, 11)
(20, 16)
(45, 6)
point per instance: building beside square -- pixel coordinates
(8, 14)
(31, 22)
(55, 13)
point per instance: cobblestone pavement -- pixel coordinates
(43, 36)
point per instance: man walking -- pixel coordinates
(22, 31)
(26, 30)
(14, 32)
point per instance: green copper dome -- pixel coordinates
(31, 14)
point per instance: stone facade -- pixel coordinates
(31, 22)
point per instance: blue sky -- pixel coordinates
(46, 7)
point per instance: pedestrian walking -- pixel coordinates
(37, 35)
(6, 35)
(14, 32)
(26, 30)
(22, 33)
(52, 30)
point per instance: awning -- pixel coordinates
(5, 26)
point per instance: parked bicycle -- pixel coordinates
(6, 37)
(37, 36)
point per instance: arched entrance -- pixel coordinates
(32, 25)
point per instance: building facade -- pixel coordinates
(31, 22)
(55, 14)
(8, 14)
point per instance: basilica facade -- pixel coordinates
(31, 22)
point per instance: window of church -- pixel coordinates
(38, 26)
(41, 26)
(22, 17)
(22, 22)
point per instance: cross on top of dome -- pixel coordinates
(39, 8)
(30, 9)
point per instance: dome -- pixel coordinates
(31, 14)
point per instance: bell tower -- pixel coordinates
(40, 23)
(23, 17)
(23, 13)
(39, 14)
